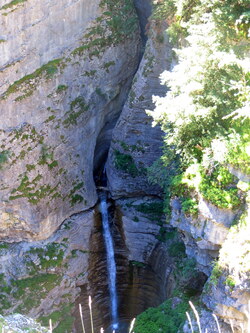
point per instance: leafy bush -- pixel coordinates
(219, 189)
(164, 318)
(125, 162)
(216, 273)
(152, 208)
(190, 206)
(3, 157)
(205, 113)
(177, 250)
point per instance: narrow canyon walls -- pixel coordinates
(136, 144)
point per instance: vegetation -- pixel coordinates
(170, 316)
(117, 23)
(3, 157)
(31, 190)
(27, 84)
(206, 120)
(165, 318)
(77, 108)
(61, 87)
(125, 162)
(152, 208)
(205, 114)
(51, 256)
(62, 317)
(12, 4)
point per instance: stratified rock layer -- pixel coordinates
(39, 278)
(217, 239)
(135, 143)
(65, 76)
(204, 234)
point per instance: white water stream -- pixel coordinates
(111, 266)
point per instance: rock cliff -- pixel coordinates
(66, 70)
(60, 99)
(65, 73)
(44, 278)
(210, 237)
(135, 143)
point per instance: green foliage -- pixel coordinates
(153, 209)
(4, 246)
(62, 316)
(216, 273)
(31, 190)
(120, 18)
(61, 87)
(125, 162)
(5, 290)
(230, 281)
(27, 85)
(186, 268)
(177, 249)
(51, 256)
(162, 236)
(117, 23)
(46, 154)
(75, 197)
(31, 290)
(205, 113)
(164, 318)
(12, 4)
(238, 149)
(77, 108)
(3, 157)
(164, 9)
(190, 206)
(219, 189)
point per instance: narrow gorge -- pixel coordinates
(90, 199)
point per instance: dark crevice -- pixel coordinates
(144, 10)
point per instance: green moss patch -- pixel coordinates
(77, 108)
(125, 162)
(62, 316)
(12, 4)
(27, 84)
(31, 190)
(51, 256)
(116, 24)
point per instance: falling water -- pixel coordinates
(111, 266)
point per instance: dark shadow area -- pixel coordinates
(144, 10)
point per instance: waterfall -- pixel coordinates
(111, 266)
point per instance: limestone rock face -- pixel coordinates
(64, 78)
(135, 143)
(207, 322)
(220, 235)
(228, 291)
(18, 323)
(230, 304)
(44, 277)
(203, 236)
(150, 265)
